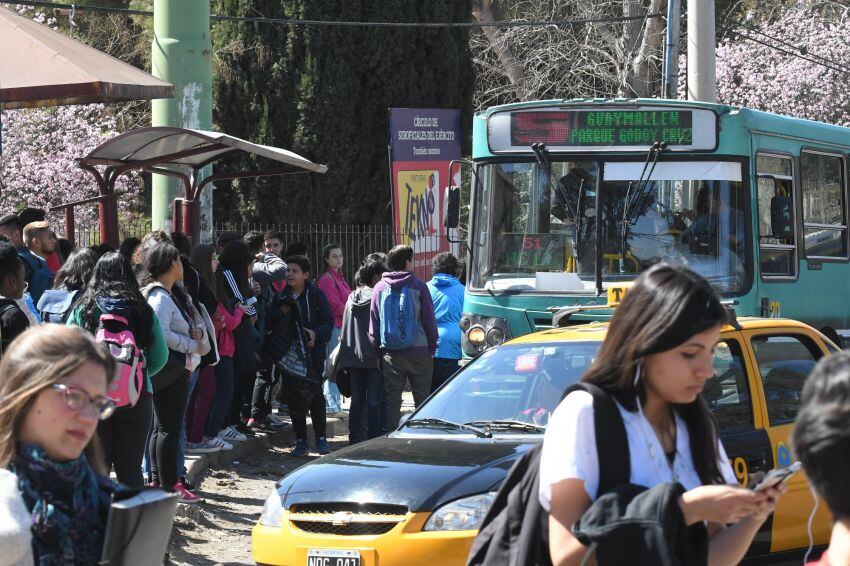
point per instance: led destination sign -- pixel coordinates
(602, 128)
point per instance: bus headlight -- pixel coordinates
(272, 515)
(481, 332)
(476, 336)
(465, 514)
(495, 336)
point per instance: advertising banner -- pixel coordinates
(422, 144)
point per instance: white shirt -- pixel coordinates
(569, 451)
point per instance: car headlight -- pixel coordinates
(272, 515)
(477, 336)
(481, 332)
(464, 514)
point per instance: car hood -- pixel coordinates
(420, 473)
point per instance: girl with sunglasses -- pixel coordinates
(52, 396)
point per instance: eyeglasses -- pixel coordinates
(78, 400)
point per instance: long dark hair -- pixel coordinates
(113, 277)
(235, 258)
(76, 271)
(667, 306)
(157, 261)
(326, 253)
(201, 257)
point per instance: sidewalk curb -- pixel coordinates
(198, 464)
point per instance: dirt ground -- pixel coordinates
(218, 530)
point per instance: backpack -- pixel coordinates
(515, 530)
(399, 322)
(55, 305)
(40, 278)
(129, 382)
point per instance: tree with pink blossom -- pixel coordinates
(781, 76)
(38, 166)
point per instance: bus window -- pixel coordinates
(776, 228)
(824, 222)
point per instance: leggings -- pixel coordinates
(199, 408)
(123, 438)
(169, 406)
(302, 396)
(224, 383)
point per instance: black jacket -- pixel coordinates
(314, 313)
(627, 524)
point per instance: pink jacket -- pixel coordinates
(225, 323)
(333, 285)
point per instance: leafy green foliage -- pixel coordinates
(324, 92)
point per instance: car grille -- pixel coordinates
(346, 519)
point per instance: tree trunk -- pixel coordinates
(516, 74)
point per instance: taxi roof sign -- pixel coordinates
(617, 292)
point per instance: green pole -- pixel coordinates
(182, 55)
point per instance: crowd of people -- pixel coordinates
(118, 363)
(207, 338)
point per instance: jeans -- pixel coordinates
(399, 368)
(303, 396)
(169, 406)
(261, 401)
(331, 391)
(367, 402)
(224, 383)
(123, 437)
(181, 441)
(444, 368)
(200, 405)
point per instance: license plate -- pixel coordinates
(332, 557)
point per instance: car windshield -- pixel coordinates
(536, 233)
(506, 387)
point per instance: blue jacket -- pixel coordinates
(36, 273)
(447, 295)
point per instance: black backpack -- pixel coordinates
(515, 530)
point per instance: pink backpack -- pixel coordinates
(129, 382)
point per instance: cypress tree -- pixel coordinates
(325, 91)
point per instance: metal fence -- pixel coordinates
(356, 240)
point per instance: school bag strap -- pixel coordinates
(515, 530)
(612, 444)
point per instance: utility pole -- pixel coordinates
(671, 56)
(182, 55)
(702, 81)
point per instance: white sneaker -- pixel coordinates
(201, 447)
(222, 445)
(230, 434)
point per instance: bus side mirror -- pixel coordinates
(452, 199)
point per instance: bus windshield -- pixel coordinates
(536, 232)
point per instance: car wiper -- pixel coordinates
(448, 424)
(509, 425)
(634, 202)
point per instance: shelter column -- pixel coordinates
(182, 55)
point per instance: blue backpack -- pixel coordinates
(55, 305)
(399, 322)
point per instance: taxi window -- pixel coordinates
(523, 383)
(784, 363)
(728, 392)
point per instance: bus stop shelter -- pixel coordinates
(175, 152)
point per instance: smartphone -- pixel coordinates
(777, 476)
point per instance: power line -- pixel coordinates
(330, 23)
(801, 50)
(844, 71)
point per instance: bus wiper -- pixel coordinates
(634, 203)
(508, 425)
(448, 424)
(542, 158)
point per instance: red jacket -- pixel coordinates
(333, 285)
(225, 323)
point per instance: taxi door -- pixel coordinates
(782, 359)
(734, 398)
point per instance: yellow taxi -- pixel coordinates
(418, 495)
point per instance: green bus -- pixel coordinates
(571, 198)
